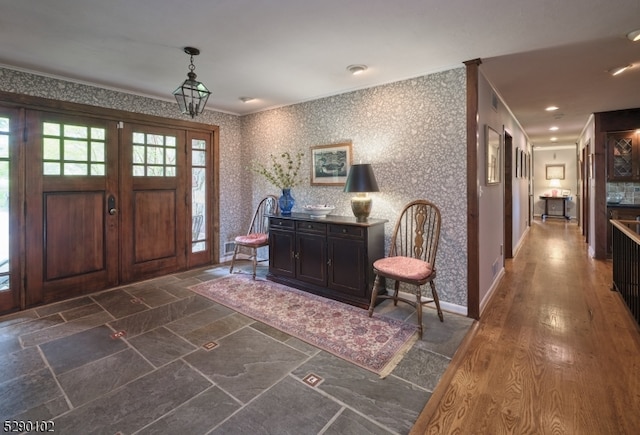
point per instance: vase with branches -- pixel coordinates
(283, 173)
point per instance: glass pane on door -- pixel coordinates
(73, 150)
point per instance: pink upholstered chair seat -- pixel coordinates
(403, 267)
(253, 239)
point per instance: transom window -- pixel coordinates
(73, 150)
(154, 155)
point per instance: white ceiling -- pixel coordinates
(282, 52)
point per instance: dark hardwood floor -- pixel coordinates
(555, 352)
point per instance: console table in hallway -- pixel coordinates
(564, 200)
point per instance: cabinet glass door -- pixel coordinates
(622, 155)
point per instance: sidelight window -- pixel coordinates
(198, 195)
(4, 204)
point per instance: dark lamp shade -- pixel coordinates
(361, 179)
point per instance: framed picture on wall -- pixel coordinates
(554, 171)
(517, 165)
(493, 151)
(330, 164)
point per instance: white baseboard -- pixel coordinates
(445, 306)
(492, 289)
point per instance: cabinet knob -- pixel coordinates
(329, 262)
(309, 226)
(344, 230)
(297, 256)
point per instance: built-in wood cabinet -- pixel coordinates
(623, 156)
(332, 256)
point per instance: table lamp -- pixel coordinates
(554, 183)
(361, 181)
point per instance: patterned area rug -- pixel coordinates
(375, 343)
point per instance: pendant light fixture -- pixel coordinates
(191, 95)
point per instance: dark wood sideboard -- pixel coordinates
(332, 256)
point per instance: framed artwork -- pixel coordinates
(518, 168)
(493, 151)
(554, 171)
(330, 164)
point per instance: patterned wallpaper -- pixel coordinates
(412, 132)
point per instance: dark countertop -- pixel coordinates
(331, 219)
(614, 205)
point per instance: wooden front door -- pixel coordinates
(71, 180)
(153, 201)
(95, 202)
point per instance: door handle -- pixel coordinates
(111, 205)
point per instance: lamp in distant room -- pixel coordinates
(361, 181)
(191, 95)
(554, 183)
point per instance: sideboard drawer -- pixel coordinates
(285, 224)
(346, 230)
(311, 227)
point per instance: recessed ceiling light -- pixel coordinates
(554, 139)
(356, 69)
(247, 99)
(551, 108)
(634, 36)
(618, 70)
(554, 128)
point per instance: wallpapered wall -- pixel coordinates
(412, 132)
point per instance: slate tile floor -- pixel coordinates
(134, 360)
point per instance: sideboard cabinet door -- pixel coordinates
(347, 271)
(282, 246)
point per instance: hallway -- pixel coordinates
(556, 352)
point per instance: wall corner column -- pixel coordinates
(473, 218)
